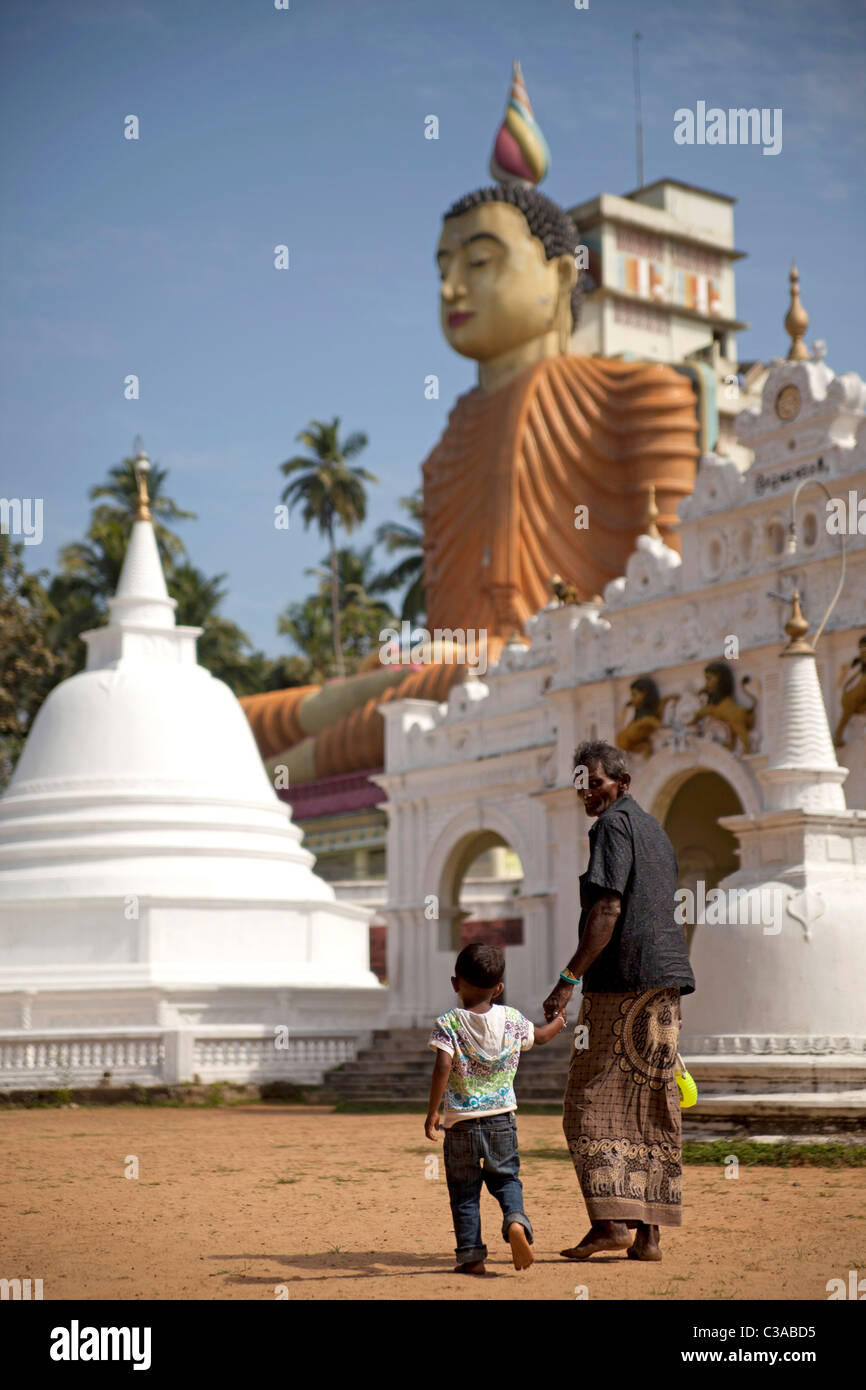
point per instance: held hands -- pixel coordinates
(431, 1124)
(557, 1000)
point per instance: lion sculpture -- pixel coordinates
(648, 705)
(722, 704)
(853, 692)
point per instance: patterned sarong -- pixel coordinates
(621, 1114)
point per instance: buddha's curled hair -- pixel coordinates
(549, 222)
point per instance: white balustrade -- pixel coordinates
(58, 1060)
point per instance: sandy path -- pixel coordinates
(230, 1203)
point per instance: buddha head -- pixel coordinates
(506, 259)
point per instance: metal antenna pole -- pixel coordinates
(638, 118)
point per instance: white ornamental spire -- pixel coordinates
(142, 597)
(141, 615)
(803, 772)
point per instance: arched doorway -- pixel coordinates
(704, 849)
(481, 885)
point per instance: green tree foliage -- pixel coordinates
(408, 573)
(27, 662)
(330, 493)
(363, 613)
(224, 648)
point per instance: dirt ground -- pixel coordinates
(233, 1203)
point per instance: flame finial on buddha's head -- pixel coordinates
(520, 154)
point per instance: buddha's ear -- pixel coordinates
(567, 273)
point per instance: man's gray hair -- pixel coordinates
(597, 751)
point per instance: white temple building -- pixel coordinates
(159, 916)
(779, 1012)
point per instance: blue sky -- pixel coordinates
(306, 127)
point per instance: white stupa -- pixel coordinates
(784, 1021)
(159, 916)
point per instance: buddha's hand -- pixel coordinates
(557, 1000)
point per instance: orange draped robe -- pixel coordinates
(500, 492)
(502, 485)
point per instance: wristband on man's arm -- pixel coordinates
(567, 976)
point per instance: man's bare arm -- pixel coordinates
(600, 922)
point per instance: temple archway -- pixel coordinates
(486, 869)
(480, 880)
(656, 782)
(705, 850)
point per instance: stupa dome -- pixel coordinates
(141, 774)
(141, 838)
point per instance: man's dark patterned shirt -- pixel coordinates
(630, 854)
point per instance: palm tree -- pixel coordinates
(395, 535)
(93, 565)
(309, 626)
(330, 492)
(79, 593)
(363, 609)
(363, 613)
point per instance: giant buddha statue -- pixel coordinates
(544, 469)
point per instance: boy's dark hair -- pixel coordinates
(480, 965)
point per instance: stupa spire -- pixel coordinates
(141, 606)
(142, 596)
(803, 772)
(141, 464)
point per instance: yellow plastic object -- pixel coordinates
(685, 1082)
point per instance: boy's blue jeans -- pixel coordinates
(483, 1151)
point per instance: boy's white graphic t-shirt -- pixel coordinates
(485, 1051)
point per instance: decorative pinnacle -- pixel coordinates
(520, 154)
(796, 628)
(652, 514)
(141, 465)
(796, 321)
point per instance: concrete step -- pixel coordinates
(396, 1067)
(738, 1096)
(371, 1065)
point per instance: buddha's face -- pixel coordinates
(499, 290)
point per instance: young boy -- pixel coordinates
(478, 1049)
